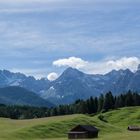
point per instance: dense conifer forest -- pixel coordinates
(93, 105)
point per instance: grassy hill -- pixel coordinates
(55, 128)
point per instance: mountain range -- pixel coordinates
(74, 84)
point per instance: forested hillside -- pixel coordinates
(93, 105)
(21, 96)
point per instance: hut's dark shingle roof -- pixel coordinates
(83, 131)
(87, 128)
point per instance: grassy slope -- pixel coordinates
(57, 127)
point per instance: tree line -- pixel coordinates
(103, 103)
(92, 105)
(22, 112)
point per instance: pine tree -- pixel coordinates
(92, 105)
(119, 102)
(100, 102)
(136, 99)
(108, 102)
(129, 99)
(82, 107)
(96, 104)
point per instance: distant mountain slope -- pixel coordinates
(21, 96)
(74, 84)
(8, 78)
(71, 85)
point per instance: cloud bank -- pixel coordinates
(34, 30)
(100, 67)
(71, 62)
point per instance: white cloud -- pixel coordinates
(71, 62)
(52, 76)
(100, 67)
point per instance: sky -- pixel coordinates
(44, 37)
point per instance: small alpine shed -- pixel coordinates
(83, 131)
(134, 128)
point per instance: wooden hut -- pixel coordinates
(83, 131)
(134, 128)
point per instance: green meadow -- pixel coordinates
(56, 128)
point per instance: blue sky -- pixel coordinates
(38, 37)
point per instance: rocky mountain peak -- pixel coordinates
(72, 72)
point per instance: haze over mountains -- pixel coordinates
(73, 84)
